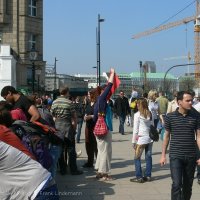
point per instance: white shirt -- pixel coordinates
(153, 107)
(141, 129)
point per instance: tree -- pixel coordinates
(187, 83)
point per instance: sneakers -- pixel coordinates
(137, 180)
(147, 179)
(141, 180)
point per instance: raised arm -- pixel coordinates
(112, 74)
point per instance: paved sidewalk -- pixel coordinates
(86, 187)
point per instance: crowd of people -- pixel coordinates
(177, 121)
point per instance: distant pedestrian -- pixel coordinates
(153, 106)
(122, 108)
(80, 114)
(181, 126)
(134, 93)
(173, 105)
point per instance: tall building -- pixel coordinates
(21, 26)
(150, 66)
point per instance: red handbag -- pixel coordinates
(100, 128)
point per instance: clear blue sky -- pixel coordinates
(70, 34)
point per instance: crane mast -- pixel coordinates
(197, 42)
(196, 19)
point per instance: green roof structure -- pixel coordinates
(158, 75)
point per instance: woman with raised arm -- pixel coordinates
(104, 144)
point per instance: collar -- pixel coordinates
(184, 115)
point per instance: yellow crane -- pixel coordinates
(186, 20)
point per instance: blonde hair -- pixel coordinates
(143, 108)
(152, 93)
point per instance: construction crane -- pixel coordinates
(186, 20)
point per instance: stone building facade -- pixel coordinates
(21, 26)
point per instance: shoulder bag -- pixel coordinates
(153, 133)
(100, 128)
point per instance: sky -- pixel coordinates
(70, 35)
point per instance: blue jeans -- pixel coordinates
(148, 159)
(182, 174)
(78, 130)
(55, 151)
(122, 118)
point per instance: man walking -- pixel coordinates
(180, 129)
(122, 109)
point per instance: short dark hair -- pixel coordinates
(181, 94)
(63, 90)
(7, 89)
(5, 115)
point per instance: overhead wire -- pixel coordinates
(176, 14)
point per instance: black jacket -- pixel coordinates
(122, 106)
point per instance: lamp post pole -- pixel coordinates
(95, 67)
(33, 56)
(33, 76)
(98, 48)
(164, 80)
(38, 72)
(55, 73)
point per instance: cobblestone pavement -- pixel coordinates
(86, 187)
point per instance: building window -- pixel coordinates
(7, 6)
(32, 41)
(32, 8)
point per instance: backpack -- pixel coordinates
(46, 116)
(133, 104)
(35, 140)
(55, 136)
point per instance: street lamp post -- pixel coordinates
(38, 72)
(95, 67)
(33, 56)
(164, 80)
(55, 74)
(98, 48)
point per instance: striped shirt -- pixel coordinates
(63, 108)
(182, 133)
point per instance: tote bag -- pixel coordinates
(100, 129)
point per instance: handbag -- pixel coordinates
(100, 128)
(153, 133)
